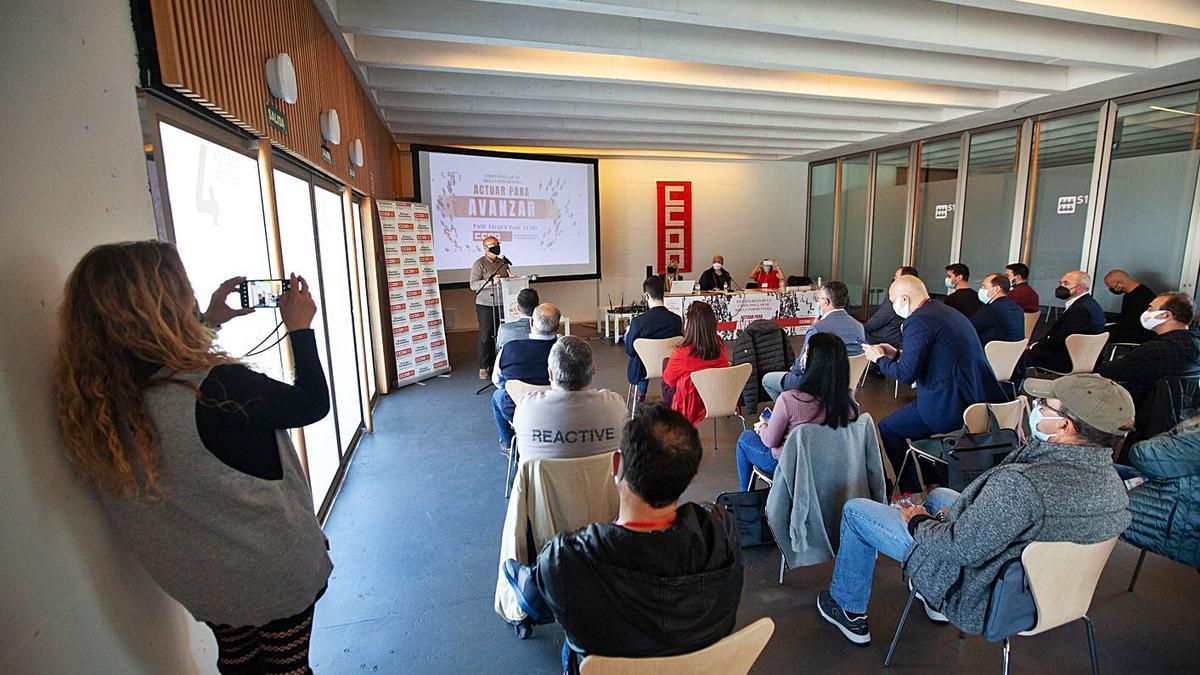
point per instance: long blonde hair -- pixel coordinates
(123, 302)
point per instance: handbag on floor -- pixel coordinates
(749, 513)
(969, 455)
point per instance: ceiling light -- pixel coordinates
(1172, 110)
(281, 78)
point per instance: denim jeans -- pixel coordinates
(503, 409)
(751, 451)
(773, 383)
(869, 527)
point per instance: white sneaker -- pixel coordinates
(934, 615)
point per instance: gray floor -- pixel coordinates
(415, 539)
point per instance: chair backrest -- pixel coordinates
(858, 366)
(1170, 401)
(733, 655)
(1084, 350)
(652, 352)
(1031, 319)
(721, 388)
(1003, 356)
(517, 389)
(1062, 576)
(1010, 415)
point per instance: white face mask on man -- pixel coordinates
(1035, 418)
(716, 266)
(1150, 322)
(983, 296)
(902, 308)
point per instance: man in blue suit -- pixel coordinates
(656, 323)
(999, 318)
(1081, 315)
(942, 354)
(832, 299)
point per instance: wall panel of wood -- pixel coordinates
(214, 52)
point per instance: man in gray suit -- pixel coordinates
(832, 300)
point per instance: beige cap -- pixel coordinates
(1099, 401)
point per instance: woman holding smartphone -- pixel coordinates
(189, 452)
(824, 397)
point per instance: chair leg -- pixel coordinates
(714, 434)
(1091, 633)
(887, 662)
(1004, 658)
(508, 468)
(899, 473)
(782, 567)
(896, 391)
(1137, 570)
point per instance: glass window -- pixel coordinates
(364, 321)
(216, 209)
(820, 221)
(852, 237)
(1062, 185)
(888, 221)
(989, 202)
(937, 183)
(300, 257)
(335, 283)
(1151, 183)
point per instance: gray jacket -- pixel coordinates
(1041, 492)
(819, 470)
(508, 331)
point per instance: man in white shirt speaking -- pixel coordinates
(572, 419)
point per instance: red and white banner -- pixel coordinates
(414, 300)
(675, 224)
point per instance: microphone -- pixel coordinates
(504, 259)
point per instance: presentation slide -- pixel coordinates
(541, 208)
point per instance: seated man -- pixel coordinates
(832, 299)
(1173, 352)
(572, 419)
(999, 318)
(716, 278)
(1082, 315)
(942, 354)
(662, 579)
(527, 299)
(1060, 486)
(524, 360)
(884, 325)
(655, 323)
(960, 295)
(1020, 291)
(1170, 463)
(1135, 298)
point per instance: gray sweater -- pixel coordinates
(481, 270)
(1041, 492)
(560, 424)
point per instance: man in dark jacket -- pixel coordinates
(999, 318)
(958, 287)
(1082, 315)
(663, 578)
(1173, 352)
(655, 323)
(716, 278)
(942, 354)
(1059, 486)
(1166, 508)
(1135, 298)
(884, 325)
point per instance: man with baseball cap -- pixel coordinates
(1059, 486)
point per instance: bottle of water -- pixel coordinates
(819, 282)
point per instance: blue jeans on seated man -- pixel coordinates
(751, 451)
(869, 527)
(503, 409)
(772, 383)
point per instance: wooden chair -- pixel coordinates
(733, 655)
(1003, 357)
(1062, 577)
(1084, 350)
(721, 389)
(858, 370)
(516, 390)
(651, 352)
(1031, 319)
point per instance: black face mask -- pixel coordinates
(1062, 293)
(494, 250)
(1116, 291)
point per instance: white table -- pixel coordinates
(616, 318)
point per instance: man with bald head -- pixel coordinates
(1081, 316)
(941, 353)
(484, 274)
(716, 278)
(1135, 298)
(525, 360)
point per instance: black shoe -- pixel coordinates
(855, 630)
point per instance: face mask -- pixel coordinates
(1116, 291)
(717, 266)
(901, 309)
(983, 296)
(494, 250)
(949, 283)
(1035, 418)
(1062, 293)
(766, 268)
(1149, 322)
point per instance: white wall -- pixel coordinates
(742, 210)
(72, 600)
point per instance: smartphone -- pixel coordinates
(766, 413)
(263, 293)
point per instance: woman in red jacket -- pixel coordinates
(701, 348)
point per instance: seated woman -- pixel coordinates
(824, 397)
(701, 348)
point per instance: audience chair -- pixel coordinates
(721, 391)
(733, 655)
(516, 391)
(1062, 577)
(1031, 319)
(653, 353)
(858, 371)
(1084, 350)
(1122, 347)
(1003, 357)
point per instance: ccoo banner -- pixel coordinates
(675, 225)
(414, 299)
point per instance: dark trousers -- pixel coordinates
(280, 646)
(894, 430)
(487, 335)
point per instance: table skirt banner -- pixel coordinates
(414, 299)
(794, 310)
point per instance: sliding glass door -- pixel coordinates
(937, 183)
(989, 201)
